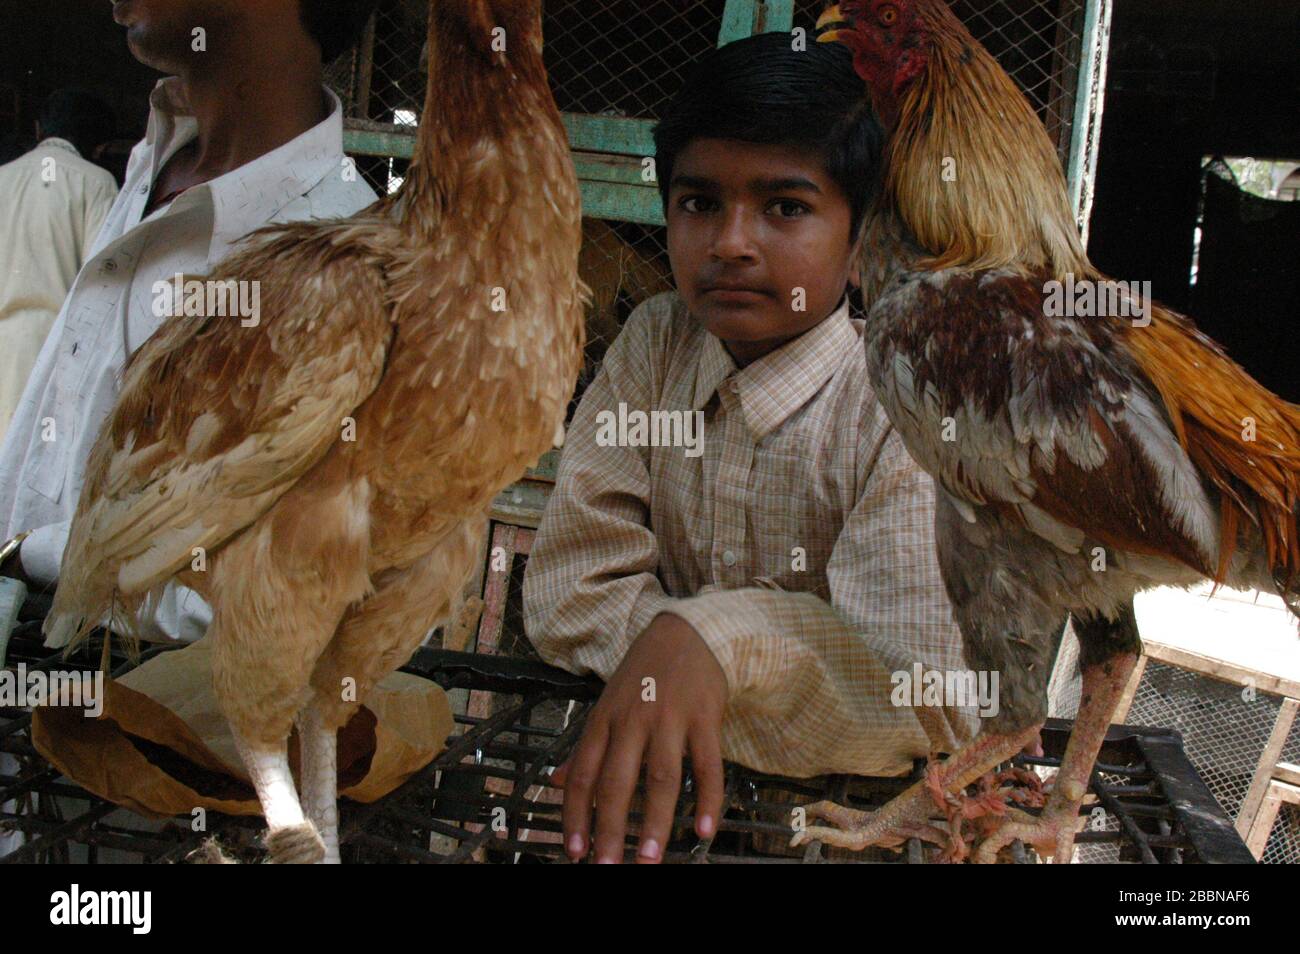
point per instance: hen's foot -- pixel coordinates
(297, 844)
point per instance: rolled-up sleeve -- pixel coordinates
(811, 682)
(591, 584)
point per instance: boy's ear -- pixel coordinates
(855, 258)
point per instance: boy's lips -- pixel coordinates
(727, 293)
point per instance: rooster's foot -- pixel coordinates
(856, 830)
(1051, 835)
(972, 815)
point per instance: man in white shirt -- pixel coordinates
(52, 204)
(242, 135)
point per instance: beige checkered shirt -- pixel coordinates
(799, 543)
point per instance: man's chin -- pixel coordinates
(138, 41)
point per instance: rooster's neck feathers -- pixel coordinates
(972, 172)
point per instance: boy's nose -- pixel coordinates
(733, 240)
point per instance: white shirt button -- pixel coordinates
(729, 558)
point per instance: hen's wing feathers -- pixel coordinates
(215, 421)
(1047, 417)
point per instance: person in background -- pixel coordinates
(242, 133)
(53, 201)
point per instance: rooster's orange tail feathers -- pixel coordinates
(1241, 436)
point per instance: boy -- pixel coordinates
(749, 597)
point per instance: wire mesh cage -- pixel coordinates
(1226, 728)
(614, 65)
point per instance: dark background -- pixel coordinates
(1186, 79)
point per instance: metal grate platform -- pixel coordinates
(486, 799)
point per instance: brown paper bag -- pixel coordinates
(162, 748)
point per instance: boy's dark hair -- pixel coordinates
(760, 90)
(335, 24)
(81, 118)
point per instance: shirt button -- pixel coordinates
(110, 266)
(729, 558)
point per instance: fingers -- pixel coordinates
(663, 777)
(614, 790)
(706, 761)
(560, 773)
(577, 776)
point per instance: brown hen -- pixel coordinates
(322, 478)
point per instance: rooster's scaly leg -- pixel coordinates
(319, 747)
(291, 838)
(1053, 832)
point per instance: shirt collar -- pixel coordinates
(58, 143)
(250, 196)
(778, 384)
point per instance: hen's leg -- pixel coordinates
(319, 747)
(292, 838)
(282, 587)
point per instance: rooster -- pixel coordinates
(1078, 460)
(322, 479)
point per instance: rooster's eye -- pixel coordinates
(887, 15)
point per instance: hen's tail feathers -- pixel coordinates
(1243, 438)
(83, 605)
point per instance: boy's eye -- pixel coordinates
(789, 208)
(696, 203)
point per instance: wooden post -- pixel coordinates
(1261, 784)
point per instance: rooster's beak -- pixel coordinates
(830, 15)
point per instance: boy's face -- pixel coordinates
(758, 237)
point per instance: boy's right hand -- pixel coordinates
(654, 723)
